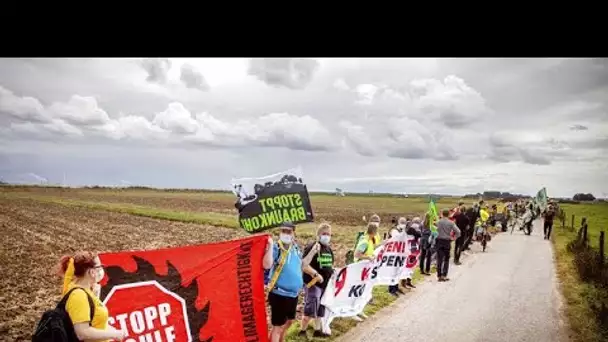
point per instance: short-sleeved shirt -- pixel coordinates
(323, 263)
(290, 282)
(77, 307)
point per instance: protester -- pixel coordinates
(462, 221)
(415, 230)
(82, 273)
(367, 245)
(398, 229)
(286, 264)
(322, 268)
(445, 227)
(472, 215)
(425, 245)
(455, 211)
(375, 218)
(548, 216)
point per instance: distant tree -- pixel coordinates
(583, 197)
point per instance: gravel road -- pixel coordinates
(509, 293)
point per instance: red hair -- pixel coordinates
(82, 262)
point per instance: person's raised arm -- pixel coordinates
(268, 255)
(308, 258)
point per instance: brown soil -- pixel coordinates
(36, 234)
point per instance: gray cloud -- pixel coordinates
(531, 157)
(368, 119)
(157, 69)
(192, 78)
(82, 116)
(578, 127)
(293, 73)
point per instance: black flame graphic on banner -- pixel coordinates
(172, 282)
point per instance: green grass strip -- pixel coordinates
(208, 218)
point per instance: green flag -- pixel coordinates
(433, 215)
(541, 199)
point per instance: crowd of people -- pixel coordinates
(289, 270)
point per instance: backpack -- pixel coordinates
(350, 255)
(56, 325)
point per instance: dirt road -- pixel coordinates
(508, 293)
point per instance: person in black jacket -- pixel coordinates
(472, 214)
(462, 221)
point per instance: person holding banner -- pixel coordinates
(414, 229)
(82, 274)
(398, 229)
(367, 245)
(316, 278)
(285, 263)
(445, 227)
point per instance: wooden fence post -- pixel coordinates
(602, 258)
(572, 221)
(585, 234)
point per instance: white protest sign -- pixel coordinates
(390, 260)
(349, 290)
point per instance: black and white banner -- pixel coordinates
(266, 202)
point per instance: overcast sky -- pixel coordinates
(399, 125)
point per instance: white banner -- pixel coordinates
(391, 260)
(350, 288)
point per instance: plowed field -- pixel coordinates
(35, 235)
(39, 225)
(339, 210)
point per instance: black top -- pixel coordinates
(549, 215)
(322, 263)
(472, 215)
(461, 220)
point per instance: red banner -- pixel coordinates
(202, 293)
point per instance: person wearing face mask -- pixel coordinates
(82, 273)
(321, 268)
(286, 265)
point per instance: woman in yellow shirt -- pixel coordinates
(84, 271)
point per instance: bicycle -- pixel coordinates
(513, 222)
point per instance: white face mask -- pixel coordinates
(98, 274)
(401, 226)
(286, 238)
(324, 239)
